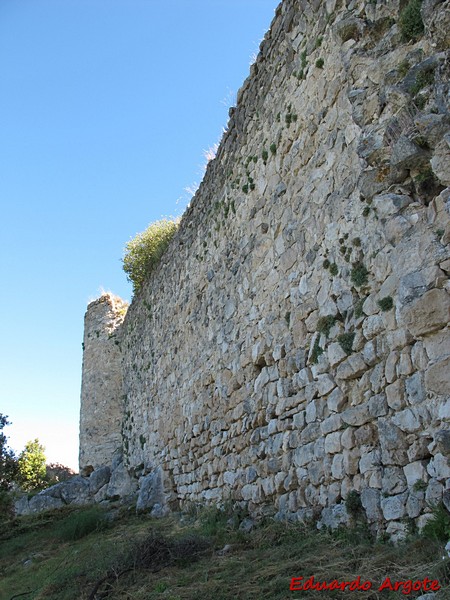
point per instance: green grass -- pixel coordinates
(138, 558)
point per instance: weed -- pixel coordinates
(356, 241)
(353, 503)
(403, 68)
(366, 211)
(386, 303)
(325, 324)
(287, 318)
(264, 156)
(410, 22)
(334, 269)
(316, 351)
(319, 41)
(80, 524)
(273, 148)
(359, 274)
(420, 485)
(420, 101)
(346, 341)
(303, 60)
(326, 264)
(319, 63)
(438, 527)
(423, 79)
(245, 188)
(349, 32)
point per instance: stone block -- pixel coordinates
(414, 472)
(394, 507)
(395, 395)
(429, 313)
(437, 377)
(356, 415)
(370, 499)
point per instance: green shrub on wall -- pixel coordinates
(144, 251)
(411, 24)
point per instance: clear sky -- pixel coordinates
(106, 108)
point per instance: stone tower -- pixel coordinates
(101, 386)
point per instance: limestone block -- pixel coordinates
(387, 205)
(356, 415)
(419, 449)
(348, 438)
(415, 391)
(394, 507)
(442, 441)
(325, 384)
(333, 442)
(369, 461)
(366, 435)
(407, 420)
(440, 162)
(434, 493)
(335, 354)
(437, 377)
(334, 517)
(395, 395)
(437, 345)
(419, 356)
(392, 442)
(439, 467)
(75, 491)
(428, 313)
(372, 326)
(21, 506)
(151, 491)
(337, 466)
(378, 405)
(121, 484)
(98, 479)
(370, 499)
(393, 481)
(304, 455)
(42, 502)
(351, 368)
(391, 366)
(351, 461)
(414, 472)
(397, 532)
(336, 400)
(332, 423)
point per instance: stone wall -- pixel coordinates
(293, 345)
(101, 412)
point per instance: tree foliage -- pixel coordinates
(32, 472)
(144, 251)
(8, 461)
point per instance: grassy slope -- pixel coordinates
(43, 555)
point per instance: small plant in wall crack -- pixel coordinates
(359, 274)
(386, 303)
(346, 341)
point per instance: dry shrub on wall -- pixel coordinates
(144, 251)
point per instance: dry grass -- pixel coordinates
(173, 559)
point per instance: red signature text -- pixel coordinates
(300, 584)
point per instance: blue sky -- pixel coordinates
(106, 107)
